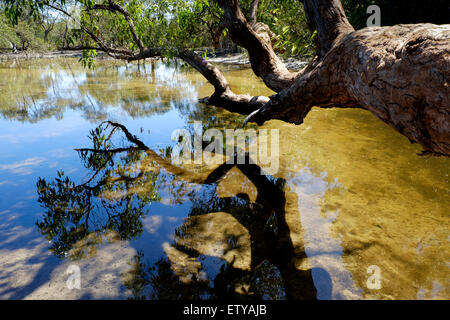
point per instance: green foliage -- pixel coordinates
(23, 36)
(7, 33)
(78, 213)
(177, 24)
(169, 24)
(88, 58)
(287, 20)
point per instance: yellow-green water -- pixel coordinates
(351, 195)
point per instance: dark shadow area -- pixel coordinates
(398, 11)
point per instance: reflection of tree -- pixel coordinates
(41, 92)
(259, 283)
(164, 284)
(109, 193)
(118, 191)
(272, 252)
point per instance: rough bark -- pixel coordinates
(215, 33)
(253, 18)
(328, 18)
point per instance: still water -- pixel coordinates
(352, 213)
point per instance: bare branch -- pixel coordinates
(87, 31)
(223, 95)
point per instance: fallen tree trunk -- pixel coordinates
(399, 73)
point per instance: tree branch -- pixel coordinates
(114, 7)
(88, 32)
(112, 50)
(223, 95)
(397, 73)
(328, 18)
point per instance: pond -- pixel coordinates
(92, 207)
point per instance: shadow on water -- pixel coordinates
(125, 180)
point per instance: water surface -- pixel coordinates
(350, 194)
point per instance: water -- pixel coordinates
(350, 196)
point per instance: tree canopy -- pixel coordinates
(43, 24)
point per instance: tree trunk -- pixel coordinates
(253, 18)
(46, 33)
(400, 74)
(216, 39)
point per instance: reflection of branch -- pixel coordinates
(127, 133)
(274, 245)
(153, 156)
(97, 172)
(190, 177)
(117, 150)
(270, 192)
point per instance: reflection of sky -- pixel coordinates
(324, 251)
(64, 83)
(33, 150)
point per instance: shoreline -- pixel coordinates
(231, 59)
(4, 56)
(241, 59)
